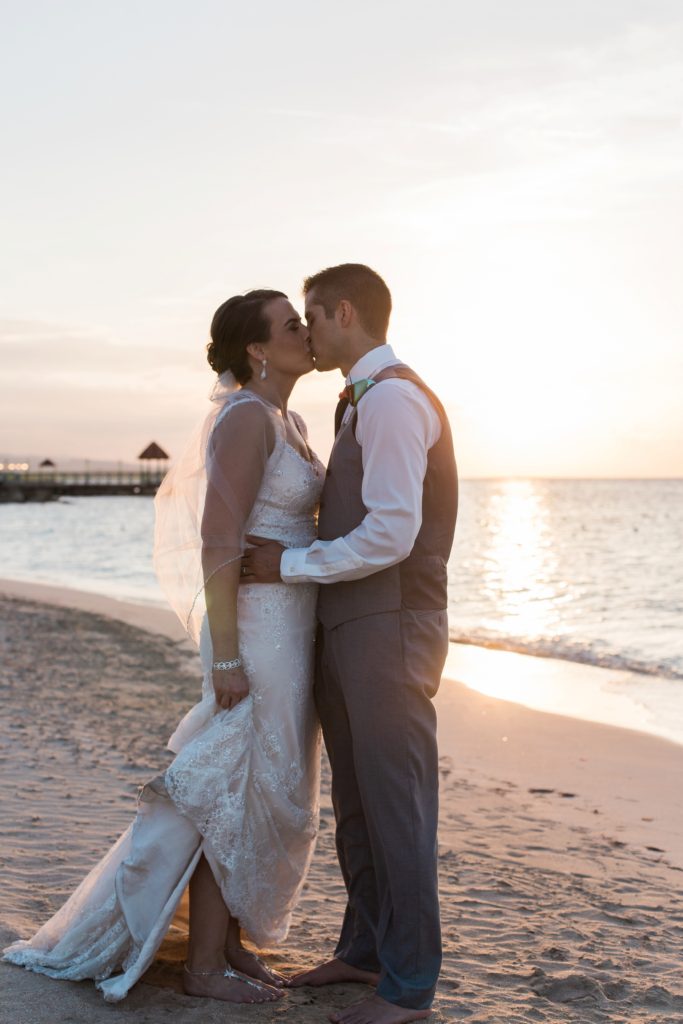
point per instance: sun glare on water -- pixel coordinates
(520, 561)
(518, 572)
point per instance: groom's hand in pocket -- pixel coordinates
(229, 687)
(261, 561)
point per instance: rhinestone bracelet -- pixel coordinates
(225, 666)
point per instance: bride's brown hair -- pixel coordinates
(240, 321)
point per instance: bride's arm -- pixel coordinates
(236, 460)
(231, 685)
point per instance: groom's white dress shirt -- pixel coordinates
(396, 426)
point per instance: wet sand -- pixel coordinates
(561, 842)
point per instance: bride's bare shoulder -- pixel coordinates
(243, 418)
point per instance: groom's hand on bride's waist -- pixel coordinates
(261, 561)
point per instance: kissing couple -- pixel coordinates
(317, 598)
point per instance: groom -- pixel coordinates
(387, 518)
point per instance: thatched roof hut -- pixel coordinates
(153, 451)
(153, 459)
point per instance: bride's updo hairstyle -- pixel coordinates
(240, 321)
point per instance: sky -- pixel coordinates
(513, 170)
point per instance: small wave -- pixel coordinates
(553, 648)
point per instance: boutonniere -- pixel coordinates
(355, 391)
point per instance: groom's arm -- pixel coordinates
(396, 426)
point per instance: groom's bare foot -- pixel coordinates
(334, 972)
(248, 963)
(231, 989)
(377, 1011)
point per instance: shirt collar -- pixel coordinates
(372, 362)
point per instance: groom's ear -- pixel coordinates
(344, 313)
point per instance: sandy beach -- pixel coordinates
(561, 841)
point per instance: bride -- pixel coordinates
(235, 813)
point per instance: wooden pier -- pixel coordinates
(40, 485)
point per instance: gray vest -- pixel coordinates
(420, 581)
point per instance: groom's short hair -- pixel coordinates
(359, 285)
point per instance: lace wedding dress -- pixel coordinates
(242, 790)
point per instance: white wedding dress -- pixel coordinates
(242, 789)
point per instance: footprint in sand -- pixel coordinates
(568, 989)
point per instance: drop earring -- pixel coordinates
(264, 372)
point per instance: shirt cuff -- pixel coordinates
(325, 561)
(291, 562)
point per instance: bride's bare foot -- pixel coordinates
(334, 972)
(246, 962)
(377, 1011)
(228, 985)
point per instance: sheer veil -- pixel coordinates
(180, 549)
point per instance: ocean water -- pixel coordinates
(580, 570)
(585, 570)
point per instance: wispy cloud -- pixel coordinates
(77, 352)
(595, 129)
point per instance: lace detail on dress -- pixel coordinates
(249, 779)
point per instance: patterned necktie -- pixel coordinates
(342, 406)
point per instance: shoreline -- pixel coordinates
(149, 617)
(572, 689)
